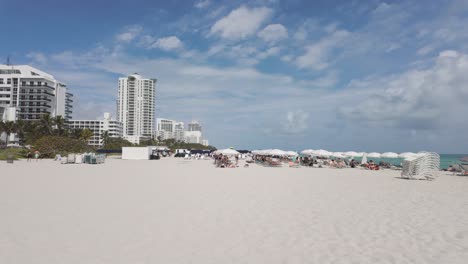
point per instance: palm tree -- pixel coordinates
(2, 127)
(9, 127)
(86, 135)
(21, 129)
(46, 124)
(59, 124)
(105, 138)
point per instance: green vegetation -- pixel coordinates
(16, 153)
(49, 146)
(51, 136)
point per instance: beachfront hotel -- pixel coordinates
(167, 129)
(171, 129)
(27, 93)
(113, 127)
(136, 103)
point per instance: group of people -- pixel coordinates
(32, 155)
(225, 161)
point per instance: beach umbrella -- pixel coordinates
(390, 155)
(374, 155)
(291, 153)
(364, 159)
(405, 155)
(228, 151)
(338, 155)
(351, 154)
(464, 159)
(277, 152)
(308, 152)
(322, 152)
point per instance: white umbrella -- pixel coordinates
(351, 154)
(364, 159)
(374, 155)
(338, 155)
(291, 153)
(308, 152)
(390, 155)
(322, 152)
(227, 152)
(277, 152)
(405, 155)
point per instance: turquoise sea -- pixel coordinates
(445, 160)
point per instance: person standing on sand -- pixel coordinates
(29, 156)
(36, 155)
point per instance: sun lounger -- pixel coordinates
(293, 165)
(424, 167)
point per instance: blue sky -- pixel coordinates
(338, 75)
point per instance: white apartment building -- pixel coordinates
(114, 128)
(166, 129)
(193, 137)
(136, 103)
(194, 126)
(27, 93)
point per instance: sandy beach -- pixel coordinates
(177, 211)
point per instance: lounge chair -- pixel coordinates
(424, 167)
(293, 165)
(462, 169)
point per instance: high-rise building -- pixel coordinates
(166, 129)
(98, 127)
(194, 126)
(136, 107)
(27, 93)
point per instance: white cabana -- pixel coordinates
(389, 155)
(374, 155)
(227, 152)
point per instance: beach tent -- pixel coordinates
(374, 155)
(389, 155)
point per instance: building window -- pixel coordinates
(8, 81)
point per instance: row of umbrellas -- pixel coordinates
(353, 154)
(323, 153)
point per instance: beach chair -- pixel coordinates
(70, 158)
(293, 165)
(423, 167)
(461, 169)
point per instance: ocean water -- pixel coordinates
(445, 160)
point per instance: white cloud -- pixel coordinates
(268, 53)
(273, 33)
(416, 99)
(202, 4)
(296, 122)
(167, 43)
(241, 22)
(130, 33)
(316, 55)
(37, 57)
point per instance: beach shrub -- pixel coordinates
(49, 146)
(16, 153)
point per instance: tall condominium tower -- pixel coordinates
(27, 93)
(136, 106)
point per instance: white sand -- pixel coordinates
(175, 211)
